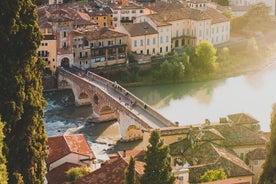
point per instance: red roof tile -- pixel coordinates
(113, 171)
(61, 146)
(57, 175)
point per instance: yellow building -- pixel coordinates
(103, 17)
(48, 47)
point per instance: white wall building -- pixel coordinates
(125, 13)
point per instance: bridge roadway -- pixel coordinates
(133, 104)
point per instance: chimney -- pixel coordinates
(124, 153)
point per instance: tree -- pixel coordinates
(40, 2)
(3, 168)
(268, 175)
(21, 101)
(157, 169)
(213, 175)
(130, 172)
(227, 13)
(223, 2)
(258, 16)
(205, 57)
(77, 172)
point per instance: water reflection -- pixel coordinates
(252, 93)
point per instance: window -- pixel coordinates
(133, 11)
(141, 11)
(141, 42)
(64, 34)
(256, 162)
(160, 49)
(135, 43)
(176, 33)
(167, 39)
(161, 39)
(148, 41)
(110, 43)
(153, 41)
(199, 33)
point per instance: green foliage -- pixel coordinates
(227, 13)
(268, 175)
(257, 18)
(213, 175)
(130, 172)
(205, 57)
(3, 167)
(77, 172)
(157, 169)
(223, 2)
(40, 2)
(21, 101)
(252, 46)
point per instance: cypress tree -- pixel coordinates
(3, 168)
(157, 169)
(21, 101)
(130, 172)
(269, 168)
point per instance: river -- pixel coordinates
(190, 103)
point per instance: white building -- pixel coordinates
(143, 38)
(188, 25)
(55, 1)
(125, 13)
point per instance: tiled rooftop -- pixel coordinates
(61, 146)
(257, 154)
(113, 171)
(57, 175)
(139, 29)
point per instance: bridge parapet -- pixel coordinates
(132, 113)
(133, 98)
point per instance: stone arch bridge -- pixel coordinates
(110, 100)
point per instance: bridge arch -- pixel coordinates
(83, 95)
(65, 62)
(133, 133)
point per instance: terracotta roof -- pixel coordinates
(61, 146)
(208, 156)
(229, 181)
(57, 175)
(266, 135)
(100, 33)
(129, 6)
(242, 118)
(113, 171)
(139, 29)
(257, 154)
(237, 135)
(216, 16)
(179, 147)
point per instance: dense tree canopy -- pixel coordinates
(21, 101)
(157, 169)
(269, 168)
(130, 172)
(77, 172)
(213, 175)
(3, 168)
(205, 57)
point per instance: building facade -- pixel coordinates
(99, 47)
